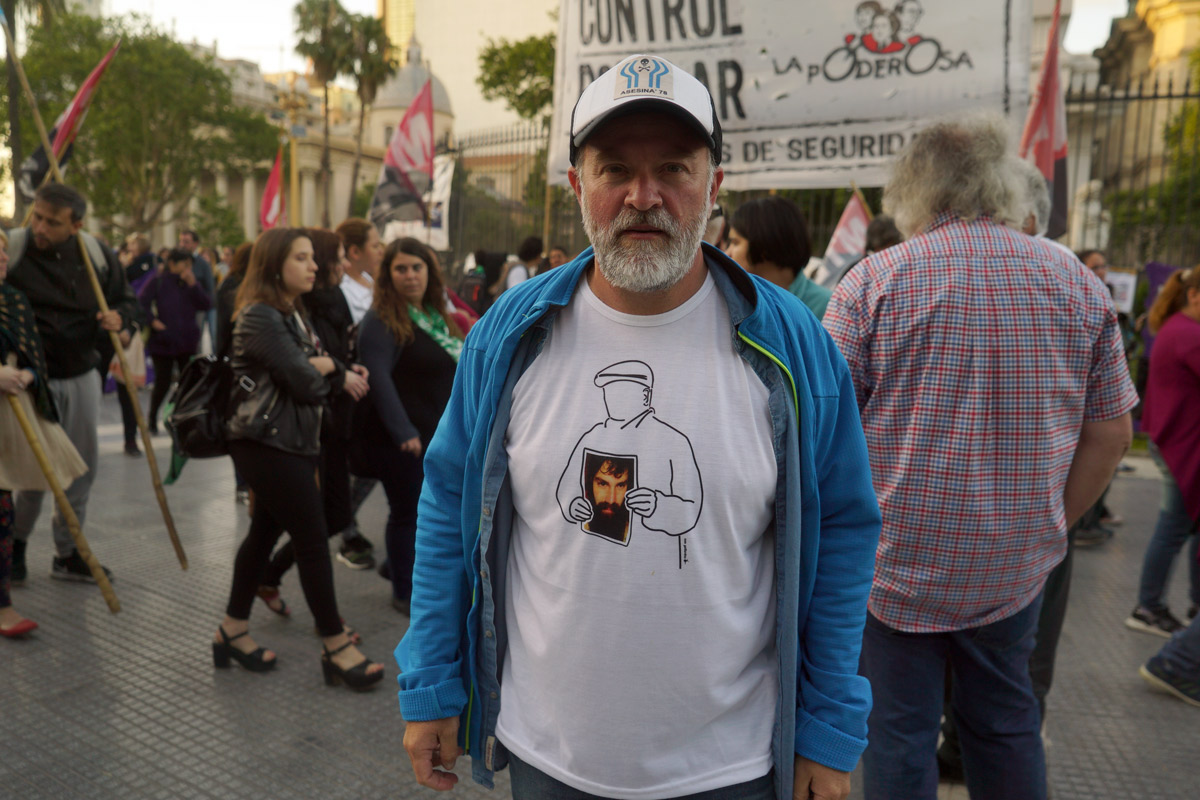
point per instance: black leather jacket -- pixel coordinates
(278, 396)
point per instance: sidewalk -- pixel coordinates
(98, 705)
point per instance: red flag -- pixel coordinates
(407, 164)
(849, 241)
(272, 213)
(62, 135)
(1044, 140)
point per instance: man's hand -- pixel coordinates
(355, 385)
(412, 446)
(642, 501)
(188, 277)
(109, 320)
(158, 325)
(13, 380)
(434, 744)
(817, 782)
(580, 510)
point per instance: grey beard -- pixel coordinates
(639, 266)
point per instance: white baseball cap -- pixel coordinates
(645, 83)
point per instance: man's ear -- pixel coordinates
(576, 184)
(76, 225)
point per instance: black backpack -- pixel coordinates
(472, 289)
(200, 402)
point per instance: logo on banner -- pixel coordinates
(646, 76)
(885, 43)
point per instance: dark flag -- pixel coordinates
(62, 135)
(1046, 132)
(407, 165)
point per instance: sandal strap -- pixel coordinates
(227, 639)
(330, 653)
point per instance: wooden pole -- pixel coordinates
(81, 544)
(151, 460)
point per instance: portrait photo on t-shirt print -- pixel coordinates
(605, 479)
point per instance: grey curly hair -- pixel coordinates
(960, 167)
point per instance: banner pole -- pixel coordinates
(102, 303)
(866, 206)
(81, 543)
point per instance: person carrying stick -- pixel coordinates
(46, 264)
(23, 377)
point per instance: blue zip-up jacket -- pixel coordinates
(826, 523)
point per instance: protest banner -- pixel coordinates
(433, 230)
(809, 94)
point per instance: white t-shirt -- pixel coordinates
(358, 297)
(641, 658)
(516, 274)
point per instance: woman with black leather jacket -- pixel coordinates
(332, 323)
(282, 382)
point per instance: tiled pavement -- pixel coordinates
(97, 705)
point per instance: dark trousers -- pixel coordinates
(286, 498)
(1045, 649)
(993, 705)
(6, 546)
(402, 475)
(530, 783)
(164, 374)
(335, 501)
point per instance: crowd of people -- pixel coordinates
(673, 520)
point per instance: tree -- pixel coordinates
(323, 28)
(521, 73)
(371, 66)
(216, 222)
(46, 10)
(160, 118)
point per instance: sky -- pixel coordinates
(263, 30)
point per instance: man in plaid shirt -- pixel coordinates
(995, 399)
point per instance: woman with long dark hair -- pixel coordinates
(282, 382)
(411, 347)
(331, 321)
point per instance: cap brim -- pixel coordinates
(639, 106)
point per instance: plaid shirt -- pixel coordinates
(977, 352)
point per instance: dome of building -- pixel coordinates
(402, 88)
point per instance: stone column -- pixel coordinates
(308, 199)
(250, 201)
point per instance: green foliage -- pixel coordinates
(216, 221)
(369, 62)
(160, 117)
(1151, 223)
(361, 206)
(323, 34)
(521, 73)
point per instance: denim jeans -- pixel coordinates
(530, 783)
(1182, 653)
(1172, 530)
(994, 709)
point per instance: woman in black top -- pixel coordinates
(410, 347)
(282, 383)
(332, 324)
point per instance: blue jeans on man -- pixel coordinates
(997, 715)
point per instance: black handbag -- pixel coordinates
(200, 402)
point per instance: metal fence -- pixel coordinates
(1132, 170)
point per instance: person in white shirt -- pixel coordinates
(609, 584)
(364, 252)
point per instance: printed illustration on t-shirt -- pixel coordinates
(632, 468)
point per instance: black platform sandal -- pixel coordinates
(357, 677)
(224, 649)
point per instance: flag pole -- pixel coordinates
(151, 460)
(866, 206)
(81, 543)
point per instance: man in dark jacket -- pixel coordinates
(47, 265)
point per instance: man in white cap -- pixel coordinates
(720, 664)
